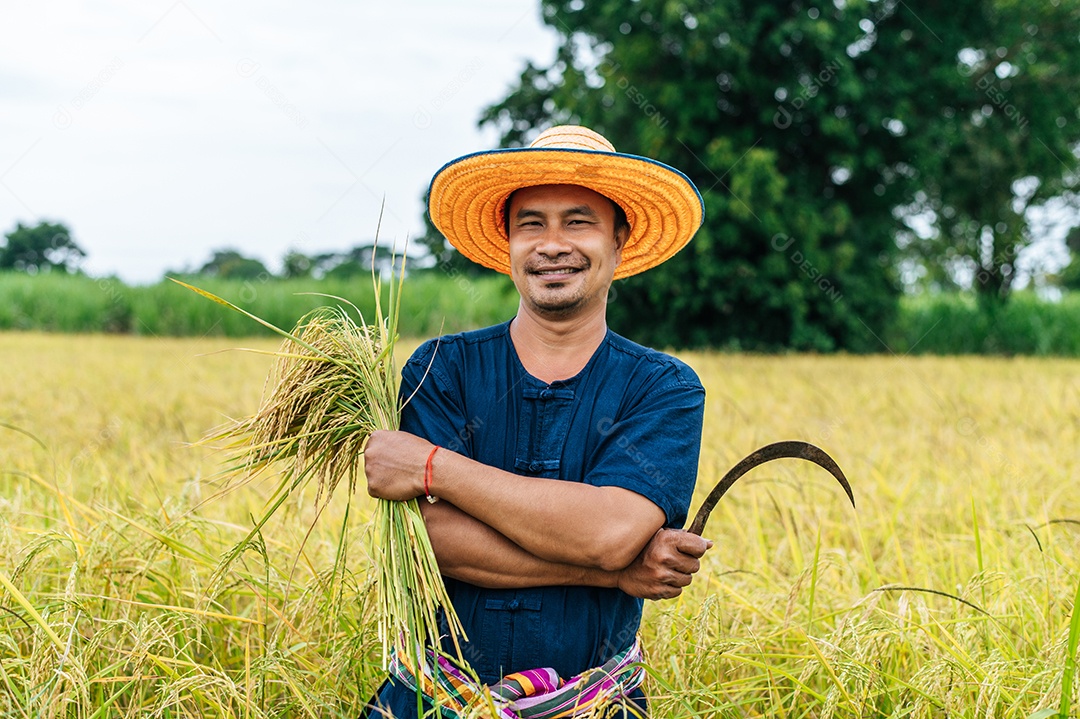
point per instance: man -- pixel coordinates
(558, 458)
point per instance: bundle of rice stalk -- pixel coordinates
(334, 383)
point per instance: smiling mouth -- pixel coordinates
(558, 271)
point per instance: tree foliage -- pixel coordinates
(354, 262)
(45, 247)
(230, 264)
(998, 141)
(443, 257)
(811, 129)
(1070, 276)
(295, 265)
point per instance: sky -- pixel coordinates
(159, 131)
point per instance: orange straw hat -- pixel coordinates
(467, 199)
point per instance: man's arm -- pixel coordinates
(469, 550)
(639, 478)
(561, 522)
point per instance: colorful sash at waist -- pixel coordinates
(532, 694)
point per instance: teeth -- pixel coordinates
(555, 272)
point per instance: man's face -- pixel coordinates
(563, 247)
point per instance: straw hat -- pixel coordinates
(468, 196)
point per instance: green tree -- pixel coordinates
(46, 247)
(230, 264)
(1000, 140)
(356, 261)
(810, 128)
(442, 257)
(296, 265)
(1070, 276)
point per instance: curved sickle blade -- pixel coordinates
(793, 449)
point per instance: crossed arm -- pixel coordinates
(498, 529)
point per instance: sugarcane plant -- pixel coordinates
(335, 383)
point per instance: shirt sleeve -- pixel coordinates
(653, 448)
(433, 408)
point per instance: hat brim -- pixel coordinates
(467, 197)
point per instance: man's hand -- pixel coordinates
(665, 566)
(394, 464)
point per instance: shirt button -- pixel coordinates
(534, 467)
(545, 394)
(512, 605)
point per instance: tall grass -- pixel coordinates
(957, 324)
(71, 303)
(56, 302)
(1068, 672)
(98, 531)
(939, 324)
(802, 610)
(335, 383)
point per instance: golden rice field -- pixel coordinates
(948, 593)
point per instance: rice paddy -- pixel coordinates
(949, 592)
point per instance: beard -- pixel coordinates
(561, 299)
(553, 307)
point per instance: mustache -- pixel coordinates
(539, 266)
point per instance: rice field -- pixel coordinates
(949, 592)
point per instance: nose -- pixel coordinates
(553, 243)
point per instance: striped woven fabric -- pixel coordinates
(532, 694)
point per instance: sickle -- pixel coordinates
(778, 450)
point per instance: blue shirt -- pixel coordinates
(631, 418)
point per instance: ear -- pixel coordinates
(621, 235)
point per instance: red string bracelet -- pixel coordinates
(428, 475)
